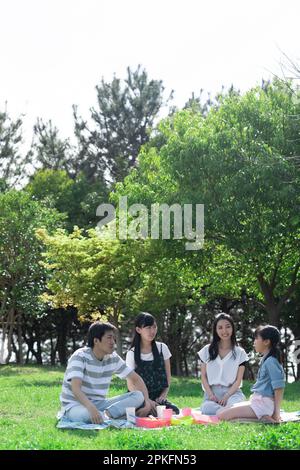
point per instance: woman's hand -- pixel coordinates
(213, 397)
(160, 399)
(223, 400)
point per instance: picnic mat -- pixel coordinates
(64, 423)
(142, 423)
(286, 417)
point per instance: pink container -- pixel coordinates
(152, 422)
(168, 413)
(186, 411)
(199, 418)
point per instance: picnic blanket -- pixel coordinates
(286, 417)
(65, 423)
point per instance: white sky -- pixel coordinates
(54, 52)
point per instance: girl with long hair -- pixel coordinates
(268, 389)
(222, 367)
(151, 360)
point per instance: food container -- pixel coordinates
(152, 422)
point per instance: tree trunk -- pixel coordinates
(296, 333)
(119, 343)
(20, 341)
(271, 304)
(11, 324)
(38, 353)
(4, 327)
(52, 352)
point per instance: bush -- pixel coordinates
(282, 437)
(157, 440)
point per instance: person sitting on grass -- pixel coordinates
(151, 360)
(268, 390)
(88, 376)
(222, 367)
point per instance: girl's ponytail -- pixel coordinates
(271, 333)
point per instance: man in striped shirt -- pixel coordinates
(88, 376)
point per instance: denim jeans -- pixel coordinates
(116, 407)
(211, 407)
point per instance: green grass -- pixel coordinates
(30, 400)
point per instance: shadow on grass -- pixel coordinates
(12, 370)
(43, 383)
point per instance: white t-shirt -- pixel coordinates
(149, 356)
(223, 371)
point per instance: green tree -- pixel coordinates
(122, 121)
(240, 162)
(75, 197)
(97, 276)
(12, 163)
(50, 152)
(21, 276)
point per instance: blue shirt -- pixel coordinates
(270, 377)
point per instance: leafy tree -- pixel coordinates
(21, 276)
(77, 198)
(240, 161)
(50, 152)
(12, 163)
(95, 275)
(125, 115)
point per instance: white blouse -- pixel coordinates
(223, 371)
(149, 356)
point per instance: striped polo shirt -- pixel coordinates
(96, 375)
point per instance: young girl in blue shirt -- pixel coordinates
(268, 389)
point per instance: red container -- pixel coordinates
(152, 422)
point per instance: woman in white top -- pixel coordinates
(222, 367)
(151, 360)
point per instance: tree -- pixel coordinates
(97, 276)
(50, 152)
(240, 162)
(125, 115)
(21, 276)
(12, 163)
(75, 197)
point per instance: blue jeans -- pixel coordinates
(116, 407)
(211, 407)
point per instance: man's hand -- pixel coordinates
(96, 418)
(153, 406)
(145, 410)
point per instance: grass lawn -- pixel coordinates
(30, 400)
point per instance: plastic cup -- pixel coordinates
(160, 411)
(130, 414)
(168, 413)
(186, 411)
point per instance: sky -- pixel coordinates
(54, 52)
